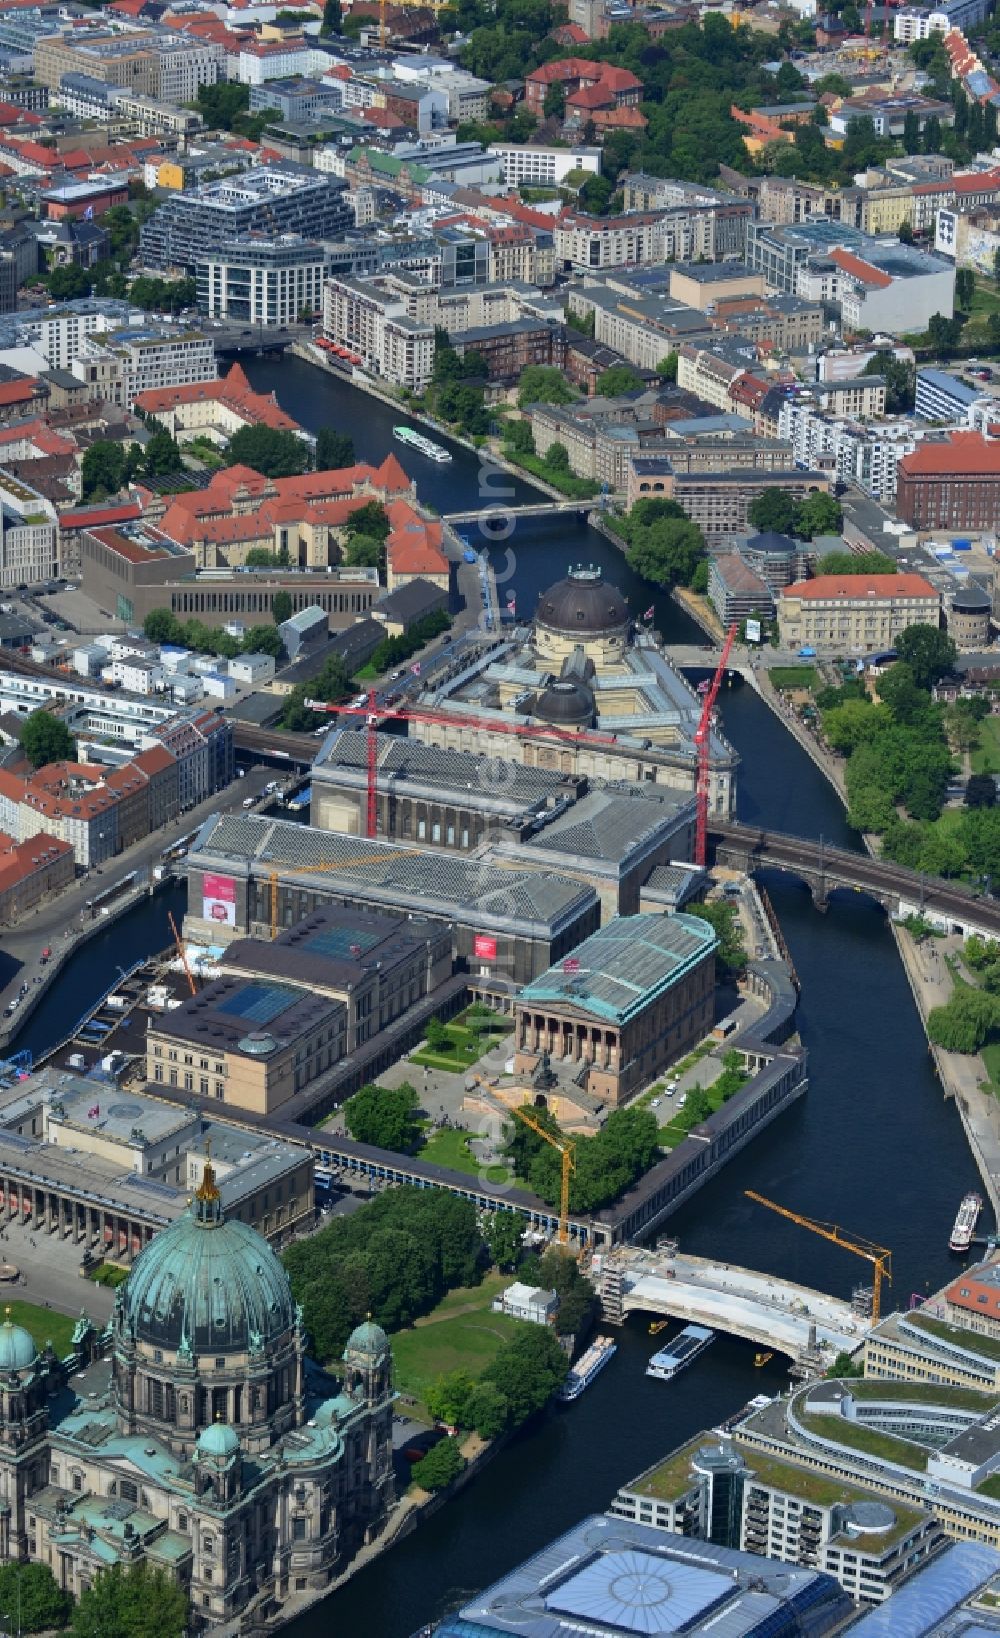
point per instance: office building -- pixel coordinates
(855, 614)
(951, 483)
(262, 281)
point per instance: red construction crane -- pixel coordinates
(702, 740)
(373, 712)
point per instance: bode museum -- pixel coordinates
(196, 1434)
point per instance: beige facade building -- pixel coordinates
(702, 285)
(855, 614)
(629, 1001)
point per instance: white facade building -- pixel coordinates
(543, 166)
(373, 324)
(137, 676)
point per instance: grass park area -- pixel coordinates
(884, 1445)
(679, 1125)
(467, 1040)
(450, 1147)
(986, 753)
(461, 1332)
(793, 676)
(989, 1347)
(45, 1324)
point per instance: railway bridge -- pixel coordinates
(902, 892)
(776, 1314)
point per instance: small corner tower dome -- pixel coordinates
(17, 1346)
(206, 1284)
(368, 1339)
(219, 1441)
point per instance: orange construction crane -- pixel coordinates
(703, 745)
(274, 876)
(567, 1148)
(879, 1256)
(181, 952)
(372, 712)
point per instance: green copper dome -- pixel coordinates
(369, 1339)
(219, 1440)
(205, 1285)
(17, 1347)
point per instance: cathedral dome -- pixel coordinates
(17, 1347)
(582, 605)
(219, 1440)
(206, 1285)
(368, 1339)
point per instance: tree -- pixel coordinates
(773, 509)
(448, 1398)
(620, 378)
(669, 552)
(31, 1598)
(932, 135)
(45, 738)
(372, 520)
(731, 954)
(281, 607)
(488, 1410)
(103, 470)
(554, 105)
(980, 791)
(841, 563)
(965, 288)
(162, 455)
(543, 384)
(138, 1602)
(528, 1370)
(905, 233)
(503, 1232)
(898, 689)
(667, 367)
(69, 283)
(557, 457)
(928, 652)
(365, 552)
(269, 450)
(911, 133)
(383, 1116)
(965, 1022)
(161, 626)
(818, 514)
(437, 1035)
(900, 379)
(331, 17)
(334, 450)
(440, 1467)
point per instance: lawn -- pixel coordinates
(989, 1347)
(680, 1125)
(460, 1332)
(467, 1044)
(45, 1325)
(985, 301)
(990, 1055)
(793, 676)
(450, 1147)
(986, 755)
(924, 1393)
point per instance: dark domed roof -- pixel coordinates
(565, 701)
(971, 600)
(770, 541)
(206, 1284)
(582, 605)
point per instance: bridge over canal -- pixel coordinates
(775, 1314)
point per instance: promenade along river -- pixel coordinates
(872, 1145)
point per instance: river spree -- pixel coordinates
(872, 1146)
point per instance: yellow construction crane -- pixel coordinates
(274, 876)
(566, 1148)
(880, 1257)
(420, 5)
(181, 952)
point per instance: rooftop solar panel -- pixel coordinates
(259, 1003)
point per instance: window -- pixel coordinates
(298, 1529)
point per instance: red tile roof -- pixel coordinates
(862, 270)
(860, 586)
(963, 454)
(86, 517)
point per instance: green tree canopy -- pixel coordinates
(334, 450)
(981, 791)
(45, 738)
(269, 450)
(928, 652)
(618, 379)
(668, 551)
(543, 384)
(443, 1463)
(773, 509)
(281, 607)
(31, 1599)
(841, 563)
(503, 1232)
(162, 455)
(384, 1116)
(965, 1022)
(724, 919)
(372, 519)
(138, 1602)
(818, 514)
(667, 367)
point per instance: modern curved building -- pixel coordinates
(205, 1441)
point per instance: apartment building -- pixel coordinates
(855, 614)
(711, 372)
(640, 238)
(30, 872)
(372, 322)
(784, 200)
(866, 455)
(58, 333)
(540, 166)
(262, 281)
(267, 201)
(719, 501)
(943, 397)
(911, 24)
(29, 534)
(788, 324)
(117, 369)
(159, 63)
